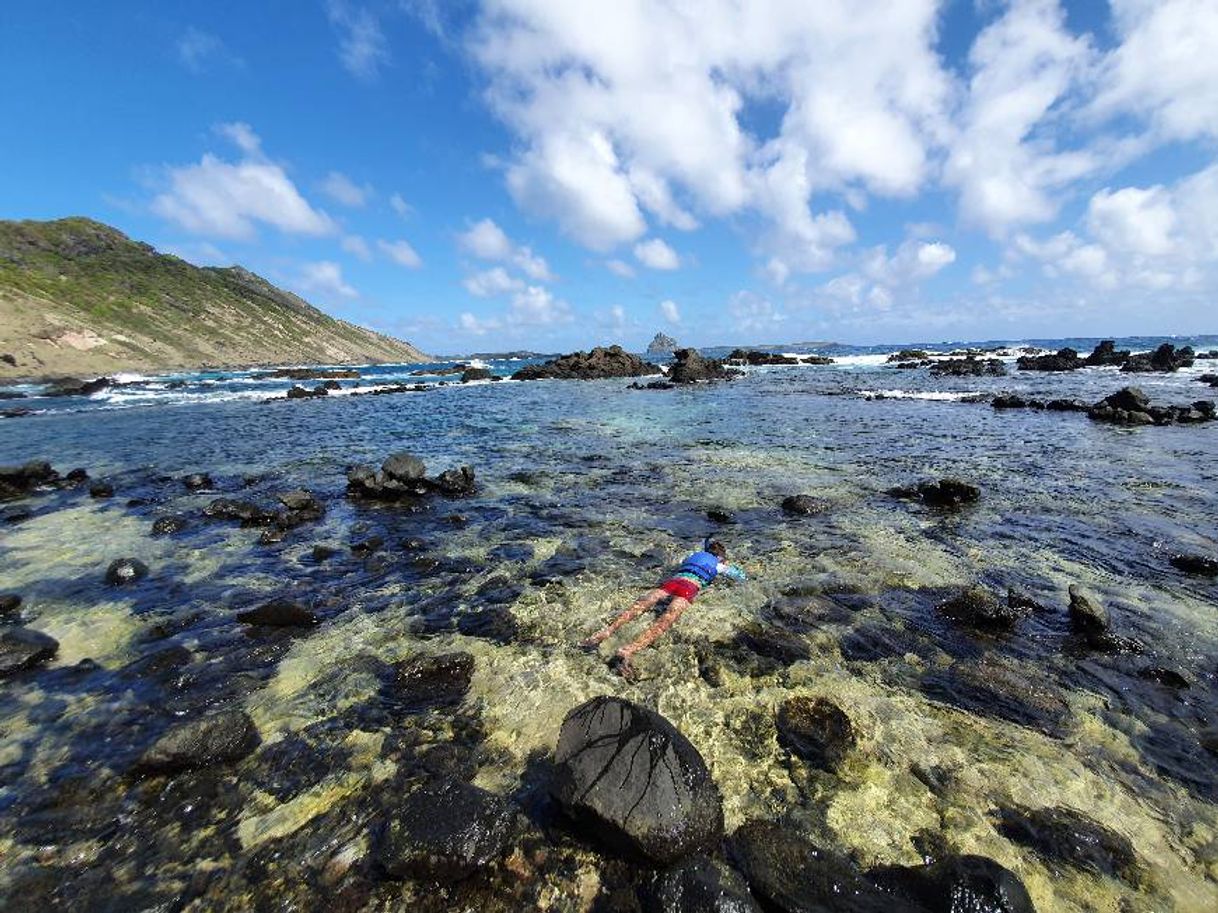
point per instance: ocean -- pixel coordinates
(586, 492)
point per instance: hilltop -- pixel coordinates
(80, 297)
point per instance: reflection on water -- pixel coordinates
(587, 491)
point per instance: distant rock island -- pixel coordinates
(80, 297)
(662, 345)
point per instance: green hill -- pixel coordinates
(79, 297)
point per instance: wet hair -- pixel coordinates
(717, 549)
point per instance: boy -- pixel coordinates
(698, 570)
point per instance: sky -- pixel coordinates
(507, 174)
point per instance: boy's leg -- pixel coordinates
(652, 634)
(641, 605)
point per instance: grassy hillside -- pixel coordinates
(79, 297)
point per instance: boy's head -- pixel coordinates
(717, 549)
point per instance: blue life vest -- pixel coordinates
(702, 565)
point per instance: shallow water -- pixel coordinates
(615, 483)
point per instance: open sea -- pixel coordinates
(586, 492)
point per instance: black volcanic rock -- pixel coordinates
(627, 777)
(969, 366)
(944, 493)
(219, 738)
(816, 730)
(1166, 358)
(1106, 355)
(601, 362)
(22, 648)
(1063, 360)
(123, 571)
(690, 367)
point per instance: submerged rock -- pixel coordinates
(445, 832)
(1000, 689)
(167, 526)
(946, 493)
(626, 776)
(793, 875)
(816, 730)
(700, 884)
(1067, 836)
(402, 477)
(1200, 565)
(247, 513)
(803, 505)
(219, 738)
(123, 571)
(18, 481)
(599, 363)
(198, 481)
(279, 613)
(426, 682)
(101, 490)
(955, 884)
(10, 603)
(979, 608)
(22, 648)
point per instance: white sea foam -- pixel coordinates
(944, 396)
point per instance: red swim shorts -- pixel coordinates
(681, 588)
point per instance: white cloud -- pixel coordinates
(340, 188)
(1134, 220)
(1024, 66)
(487, 241)
(635, 109)
(492, 282)
(880, 278)
(620, 268)
(198, 50)
(1165, 69)
(362, 47)
(325, 278)
(671, 312)
(400, 206)
(356, 246)
(655, 254)
(401, 253)
(227, 199)
(532, 307)
(751, 312)
(478, 326)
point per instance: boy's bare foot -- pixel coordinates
(623, 667)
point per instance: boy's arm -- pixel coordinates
(732, 571)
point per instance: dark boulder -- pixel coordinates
(626, 776)
(446, 831)
(1001, 689)
(101, 490)
(754, 358)
(1165, 359)
(598, 363)
(773, 643)
(1106, 355)
(690, 367)
(471, 374)
(18, 481)
(279, 613)
(167, 526)
(969, 366)
(1066, 405)
(1015, 401)
(803, 505)
(247, 513)
(945, 493)
(298, 392)
(219, 738)
(426, 682)
(1064, 835)
(300, 501)
(454, 482)
(816, 730)
(790, 874)
(720, 515)
(1087, 616)
(73, 386)
(1063, 360)
(654, 385)
(955, 884)
(10, 603)
(979, 608)
(311, 373)
(403, 467)
(324, 552)
(1200, 565)
(197, 481)
(22, 648)
(367, 545)
(908, 355)
(123, 571)
(700, 884)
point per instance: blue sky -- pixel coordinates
(518, 173)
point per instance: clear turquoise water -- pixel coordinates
(619, 481)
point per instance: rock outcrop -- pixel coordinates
(969, 366)
(662, 344)
(403, 477)
(599, 363)
(218, 738)
(690, 367)
(1131, 406)
(1165, 359)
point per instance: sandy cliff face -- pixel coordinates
(79, 297)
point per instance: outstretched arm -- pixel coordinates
(732, 571)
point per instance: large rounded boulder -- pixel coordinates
(625, 775)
